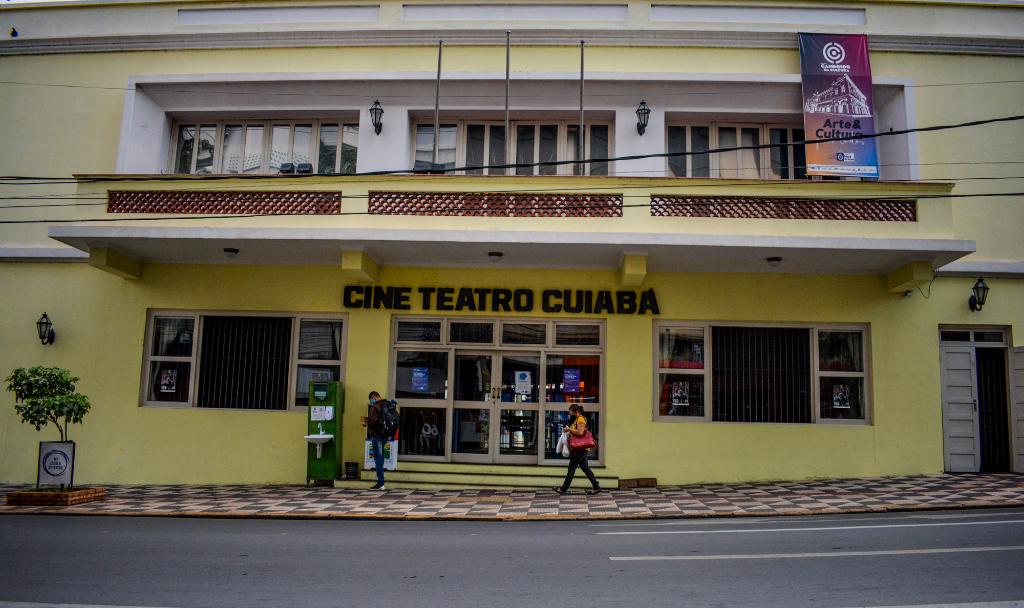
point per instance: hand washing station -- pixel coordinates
(323, 428)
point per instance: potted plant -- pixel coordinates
(43, 395)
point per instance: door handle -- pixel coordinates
(975, 402)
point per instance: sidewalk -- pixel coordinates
(738, 500)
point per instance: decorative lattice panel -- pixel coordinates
(224, 202)
(741, 207)
(496, 204)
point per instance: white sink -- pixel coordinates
(319, 440)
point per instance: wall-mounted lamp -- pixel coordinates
(375, 114)
(44, 327)
(14, 33)
(979, 294)
(643, 114)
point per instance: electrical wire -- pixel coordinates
(585, 189)
(554, 163)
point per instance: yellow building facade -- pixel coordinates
(198, 198)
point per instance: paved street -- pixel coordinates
(895, 559)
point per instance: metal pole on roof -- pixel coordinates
(581, 136)
(508, 65)
(437, 105)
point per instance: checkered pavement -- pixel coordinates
(749, 499)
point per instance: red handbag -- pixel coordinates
(582, 442)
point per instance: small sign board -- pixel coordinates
(56, 463)
(390, 456)
(321, 413)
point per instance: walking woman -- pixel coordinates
(578, 457)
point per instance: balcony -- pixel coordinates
(679, 224)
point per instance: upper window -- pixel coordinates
(760, 374)
(692, 142)
(251, 362)
(264, 147)
(484, 144)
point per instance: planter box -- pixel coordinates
(69, 497)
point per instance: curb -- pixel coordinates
(969, 505)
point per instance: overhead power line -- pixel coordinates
(53, 199)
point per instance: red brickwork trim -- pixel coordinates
(740, 207)
(496, 204)
(224, 202)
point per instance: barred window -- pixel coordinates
(252, 362)
(755, 374)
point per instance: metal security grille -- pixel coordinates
(742, 207)
(761, 374)
(244, 363)
(496, 204)
(224, 202)
(993, 416)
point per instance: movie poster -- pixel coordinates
(836, 75)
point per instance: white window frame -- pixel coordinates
(266, 145)
(195, 358)
(547, 348)
(816, 372)
(764, 153)
(562, 150)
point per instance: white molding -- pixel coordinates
(42, 254)
(528, 237)
(969, 45)
(1006, 269)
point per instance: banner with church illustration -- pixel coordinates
(837, 99)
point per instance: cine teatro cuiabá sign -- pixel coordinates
(487, 299)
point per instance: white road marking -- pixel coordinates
(48, 605)
(819, 529)
(657, 558)
(1012, 604)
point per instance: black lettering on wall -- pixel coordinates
(402, 298)
(625, 302)
(351, 296)
(428, 293)
(549, 301)
(572, 302)
(648, 303)
(523, 300)
(501, 300)
(603, 303)
(465, 301)
(444, 298)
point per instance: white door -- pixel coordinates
(960, 437)
(1017, 409)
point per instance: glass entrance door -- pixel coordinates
(496, 408)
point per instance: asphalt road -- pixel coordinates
(838, 561)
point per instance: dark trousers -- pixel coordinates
(579, 458)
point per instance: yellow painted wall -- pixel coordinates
(74, 128)
(100, 322)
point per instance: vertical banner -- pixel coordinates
(836, 75)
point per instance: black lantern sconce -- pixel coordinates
(375, 114)
(643, 114)
(979, 295)
(44, 327)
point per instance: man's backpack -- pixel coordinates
(388, 419)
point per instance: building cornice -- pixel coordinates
(418, 37)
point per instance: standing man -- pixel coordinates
(375, 433)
